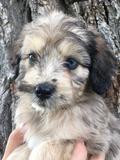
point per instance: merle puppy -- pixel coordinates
(63, 69)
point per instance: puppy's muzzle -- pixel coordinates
(44, 90)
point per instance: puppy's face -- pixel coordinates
(58, 60)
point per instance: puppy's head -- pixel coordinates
(59, 61)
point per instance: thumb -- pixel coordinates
(80, 152)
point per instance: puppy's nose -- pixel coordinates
(44, 90)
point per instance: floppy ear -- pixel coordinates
(16, 49)
(103, 64)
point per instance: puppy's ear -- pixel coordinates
(16, 51)
(103, 64)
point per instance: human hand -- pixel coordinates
(80, 153)
(15, 139)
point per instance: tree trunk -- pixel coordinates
(104, 15)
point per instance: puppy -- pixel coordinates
(63, 69)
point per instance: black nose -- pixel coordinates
(44, 90)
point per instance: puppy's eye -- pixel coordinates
(71, 63)
(32, 58)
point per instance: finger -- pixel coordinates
(80, 152)
(15, 139)
(98, 157)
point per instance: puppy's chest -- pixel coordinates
(40, 139)
(34, 141)
(57, 130)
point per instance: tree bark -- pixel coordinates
(104, 15)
